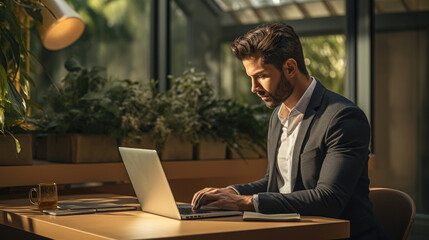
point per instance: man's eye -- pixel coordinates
(260, 76)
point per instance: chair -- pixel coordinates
(395, 209)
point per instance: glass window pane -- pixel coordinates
(325, 60)
(339, 6)
(247, 16)
(417, 5)
(389, 6)
(400, 105)
(178, 40)
(269, 14)
(225, 5)
(116, 36)
(395, 6)
(234, 81)
(239, 4)
(290, 12)
(316, 9)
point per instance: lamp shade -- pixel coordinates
(62, 30)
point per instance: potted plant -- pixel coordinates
(189, 122)
(151, 119)
(15, 19)
(142, 123)
(195, 101)
(85, 116)
(174, 120)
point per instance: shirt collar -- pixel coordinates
(303, 102)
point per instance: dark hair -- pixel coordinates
(276, 42)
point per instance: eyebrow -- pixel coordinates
(257, 73)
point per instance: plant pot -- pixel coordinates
(40, 147)
(209, 149)
(82, 148)
(8, 155)
(177, 149)
(145, 142)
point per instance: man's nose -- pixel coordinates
(255, 85)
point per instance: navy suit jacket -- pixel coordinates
(329, 166)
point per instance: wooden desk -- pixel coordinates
(22, 215)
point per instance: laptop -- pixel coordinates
(152, 189)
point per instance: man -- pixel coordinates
(317, 140)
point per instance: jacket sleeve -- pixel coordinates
(346, 141)
(253, 187)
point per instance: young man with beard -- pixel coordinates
(317, 140)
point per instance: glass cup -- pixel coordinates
(47, 196)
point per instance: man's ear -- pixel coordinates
(290, 67)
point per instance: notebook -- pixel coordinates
(152, 189)
(285, 217)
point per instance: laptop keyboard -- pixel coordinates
(187, 209)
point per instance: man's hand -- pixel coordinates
(222, 198)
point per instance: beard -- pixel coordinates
(283, 91)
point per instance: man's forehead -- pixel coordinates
(254, 65)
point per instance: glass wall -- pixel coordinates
(401, 103)
(116, 36)
(195, 38)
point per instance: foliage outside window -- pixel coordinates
(325, 60)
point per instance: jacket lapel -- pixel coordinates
(274, 136)
(310, 112)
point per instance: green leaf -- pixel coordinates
(3, 83)
(14, 47)
(15, 99)
(12, 21)
(72, 65)
(17, 145)
(26, 77)
(2, 119)
(35, 105)
(24, 5)
(3, 60)
(12, 117)
(34, 12)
